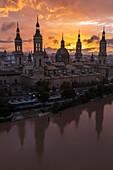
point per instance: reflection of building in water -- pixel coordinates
(90, 110)
(77, 116)
(21, 131)
(67, 118)
(100, 115)
(99, 109)
(99, 120)
(41, 125)
(5, 127)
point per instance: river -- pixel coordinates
(77, 138)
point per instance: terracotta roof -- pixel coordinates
(8, 73)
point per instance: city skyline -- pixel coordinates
(55, 18)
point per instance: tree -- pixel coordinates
(68, 93)
(43, 97)
(42, 84)
(65, 85)
(5, 108)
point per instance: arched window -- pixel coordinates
(36, 46)
(17, 48)
(39, 47)
(20, 61)
(40, 63)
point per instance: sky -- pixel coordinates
(57, 17)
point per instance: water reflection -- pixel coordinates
(72, 114)
(40, 126)
(62, 119)
(21, 132)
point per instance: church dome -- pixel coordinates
(62, 54)
(62, 51)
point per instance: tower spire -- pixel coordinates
(79, 32)
(37, 24)
(62, 42)
(104, 28)
(18, 28)
(62, 37)
(103, 33)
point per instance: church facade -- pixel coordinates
(41, 68)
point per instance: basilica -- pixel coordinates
(40, 67)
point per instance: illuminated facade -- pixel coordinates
(41, 68)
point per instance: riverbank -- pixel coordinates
(33, 113)
(91, 95)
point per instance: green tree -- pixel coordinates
(68, 93)
(42, 84)
(65, 85)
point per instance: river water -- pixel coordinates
(78, 138)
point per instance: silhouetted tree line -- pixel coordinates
(42, 88)
(5, 109)
(92, 93)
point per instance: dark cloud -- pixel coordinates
(29, 40)
(55, 41)
(7, 26)
(110, 41)
(92, 39)
(71, 50)
(68, 44)
(51, 37)
(7, 41)
(51, 50)
(88, 49)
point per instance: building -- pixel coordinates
(10, 81)
(39, 67)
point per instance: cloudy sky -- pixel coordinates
(55, 17)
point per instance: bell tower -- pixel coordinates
(102, 53)
(102, 65)
(18, 50)
(78, 53)
(38, 55)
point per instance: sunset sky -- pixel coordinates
(55, 17)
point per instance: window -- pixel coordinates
(18, 48)
(20, 60)
(0, 81)
(40, 63)
(36, 46)
(39, 47)
(15, 81)
(4, 81)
